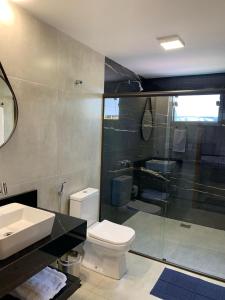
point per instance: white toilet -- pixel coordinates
(107, 242)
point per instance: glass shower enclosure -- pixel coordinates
(163, 174)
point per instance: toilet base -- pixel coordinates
(104, 261)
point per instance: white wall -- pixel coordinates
(58, 137)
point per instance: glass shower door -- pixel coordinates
(194, 224)
(177, 202)
(151, 178)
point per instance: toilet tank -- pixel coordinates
(85, 205)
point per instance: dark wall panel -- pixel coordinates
(184, 82)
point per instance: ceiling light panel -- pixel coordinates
(171, 42)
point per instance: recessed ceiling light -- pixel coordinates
(171, 42)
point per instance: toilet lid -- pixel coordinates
(111, 233)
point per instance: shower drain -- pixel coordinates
(185, 225)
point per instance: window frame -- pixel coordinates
(210, 123)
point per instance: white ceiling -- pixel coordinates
(126, 31)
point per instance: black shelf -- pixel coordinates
(72, 284)
(67, 233)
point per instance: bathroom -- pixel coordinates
(88, 105)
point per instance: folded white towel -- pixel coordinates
(42, 286)
(179, 140)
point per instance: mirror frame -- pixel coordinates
(16, 110)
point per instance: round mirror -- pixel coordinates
(147, 121)
(8, 109)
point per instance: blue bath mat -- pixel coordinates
(173, 285)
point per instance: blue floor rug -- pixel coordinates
(173, 285)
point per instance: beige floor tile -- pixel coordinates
(142, 275)
(83, 294)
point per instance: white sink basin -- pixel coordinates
(21, 226)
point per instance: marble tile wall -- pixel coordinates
(58, 137)
(123, 141)
(195, 187)
(193, 82)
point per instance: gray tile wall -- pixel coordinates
(58, 137)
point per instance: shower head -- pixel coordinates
(140, 86)
(129, 82)
(138, 82)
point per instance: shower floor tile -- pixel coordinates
(193, 246)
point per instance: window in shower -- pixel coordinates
(111, 111)
(197, 108)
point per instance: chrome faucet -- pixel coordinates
(125, 163)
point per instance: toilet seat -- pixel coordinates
(111, 235)
(116, 248)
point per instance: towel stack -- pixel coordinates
(179, 140)
(42, 286)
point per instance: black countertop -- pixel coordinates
(67, 233)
